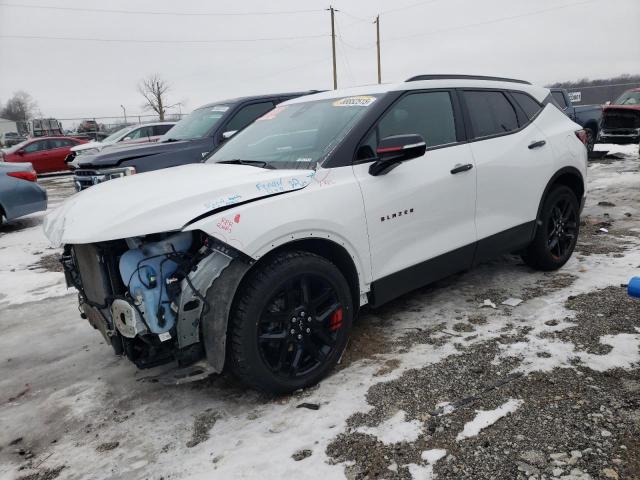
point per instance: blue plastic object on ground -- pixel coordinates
(633, 289)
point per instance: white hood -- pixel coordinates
(163, 200)
(88, 146)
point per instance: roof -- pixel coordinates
(257, 97)
(451, 81)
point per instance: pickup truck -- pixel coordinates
(621, 119)
(588, 116)
(189, 141)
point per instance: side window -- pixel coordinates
(141, 132)
(528, 104)
(161, 129)
(429, 114)
(490, 112)
(560, 101)
(248, 114)
(35, 146)
(59, 143)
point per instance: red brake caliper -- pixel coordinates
(335, 321)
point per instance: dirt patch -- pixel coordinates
(105, 447)
(569, 420)
(604, 236)
(44, 474)
(609, 311)
(201, 426)
(49, 262)
(367, 340)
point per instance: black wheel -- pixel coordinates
(290, 323)
(591, 140)
(557, 232)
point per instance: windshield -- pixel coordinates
(628, 98)
(295, 136)
(197, 124)
(113, 138)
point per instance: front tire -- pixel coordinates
(557, 231)
(290, 323)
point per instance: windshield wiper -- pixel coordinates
(169, 140)
(252, 163)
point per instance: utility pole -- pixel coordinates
(124, 110)
(333, 46)
(377, 22)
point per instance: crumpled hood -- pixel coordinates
(163, 200)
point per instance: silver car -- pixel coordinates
(20, 194)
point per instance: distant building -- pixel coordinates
(7, 126)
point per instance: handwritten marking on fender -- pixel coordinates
(273, 186)
(236, 219)
(225, 224)
(223, 202)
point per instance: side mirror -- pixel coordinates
(20, 152)
(229, 134)
(125, 139)
(394, 150)
(608, 102)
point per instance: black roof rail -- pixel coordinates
(464, 77)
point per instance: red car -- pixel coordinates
(46, 154)
(621, 119)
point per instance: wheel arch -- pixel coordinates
(568, 176)
(328, 249)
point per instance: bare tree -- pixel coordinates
(154, 90)
(20, 107)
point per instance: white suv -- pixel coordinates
(260, 257)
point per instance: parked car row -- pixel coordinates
(20, 193)
(257, 252)
(189, 141)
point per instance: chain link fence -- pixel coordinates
(90, 127)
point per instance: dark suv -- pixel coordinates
(191, 139)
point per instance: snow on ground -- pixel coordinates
(22, 245)
(484, 419)
(395, 429)
(75, 405)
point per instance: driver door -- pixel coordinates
(421, 214)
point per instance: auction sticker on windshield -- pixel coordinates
(360, 101)
(270, 115)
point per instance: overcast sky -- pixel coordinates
(533, 40)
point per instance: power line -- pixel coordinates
(158, 41)
(489, 22)
(408, 6)
(145, 12)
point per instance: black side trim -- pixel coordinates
(465, 77)
(416, 276)
(511, 240)
(227, 207)
(392, 286)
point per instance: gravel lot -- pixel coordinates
(433, 385)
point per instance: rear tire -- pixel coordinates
(557, 231)
(290, 323)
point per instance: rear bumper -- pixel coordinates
(26, 198)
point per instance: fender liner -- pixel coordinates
(214, 323)
(570, 171)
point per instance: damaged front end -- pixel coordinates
(152, 297)
(620, 125)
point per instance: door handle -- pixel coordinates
(461, 168)
(538, 144)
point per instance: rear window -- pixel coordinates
(528, 104)
(491, 113)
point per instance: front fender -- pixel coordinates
(330, 207)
